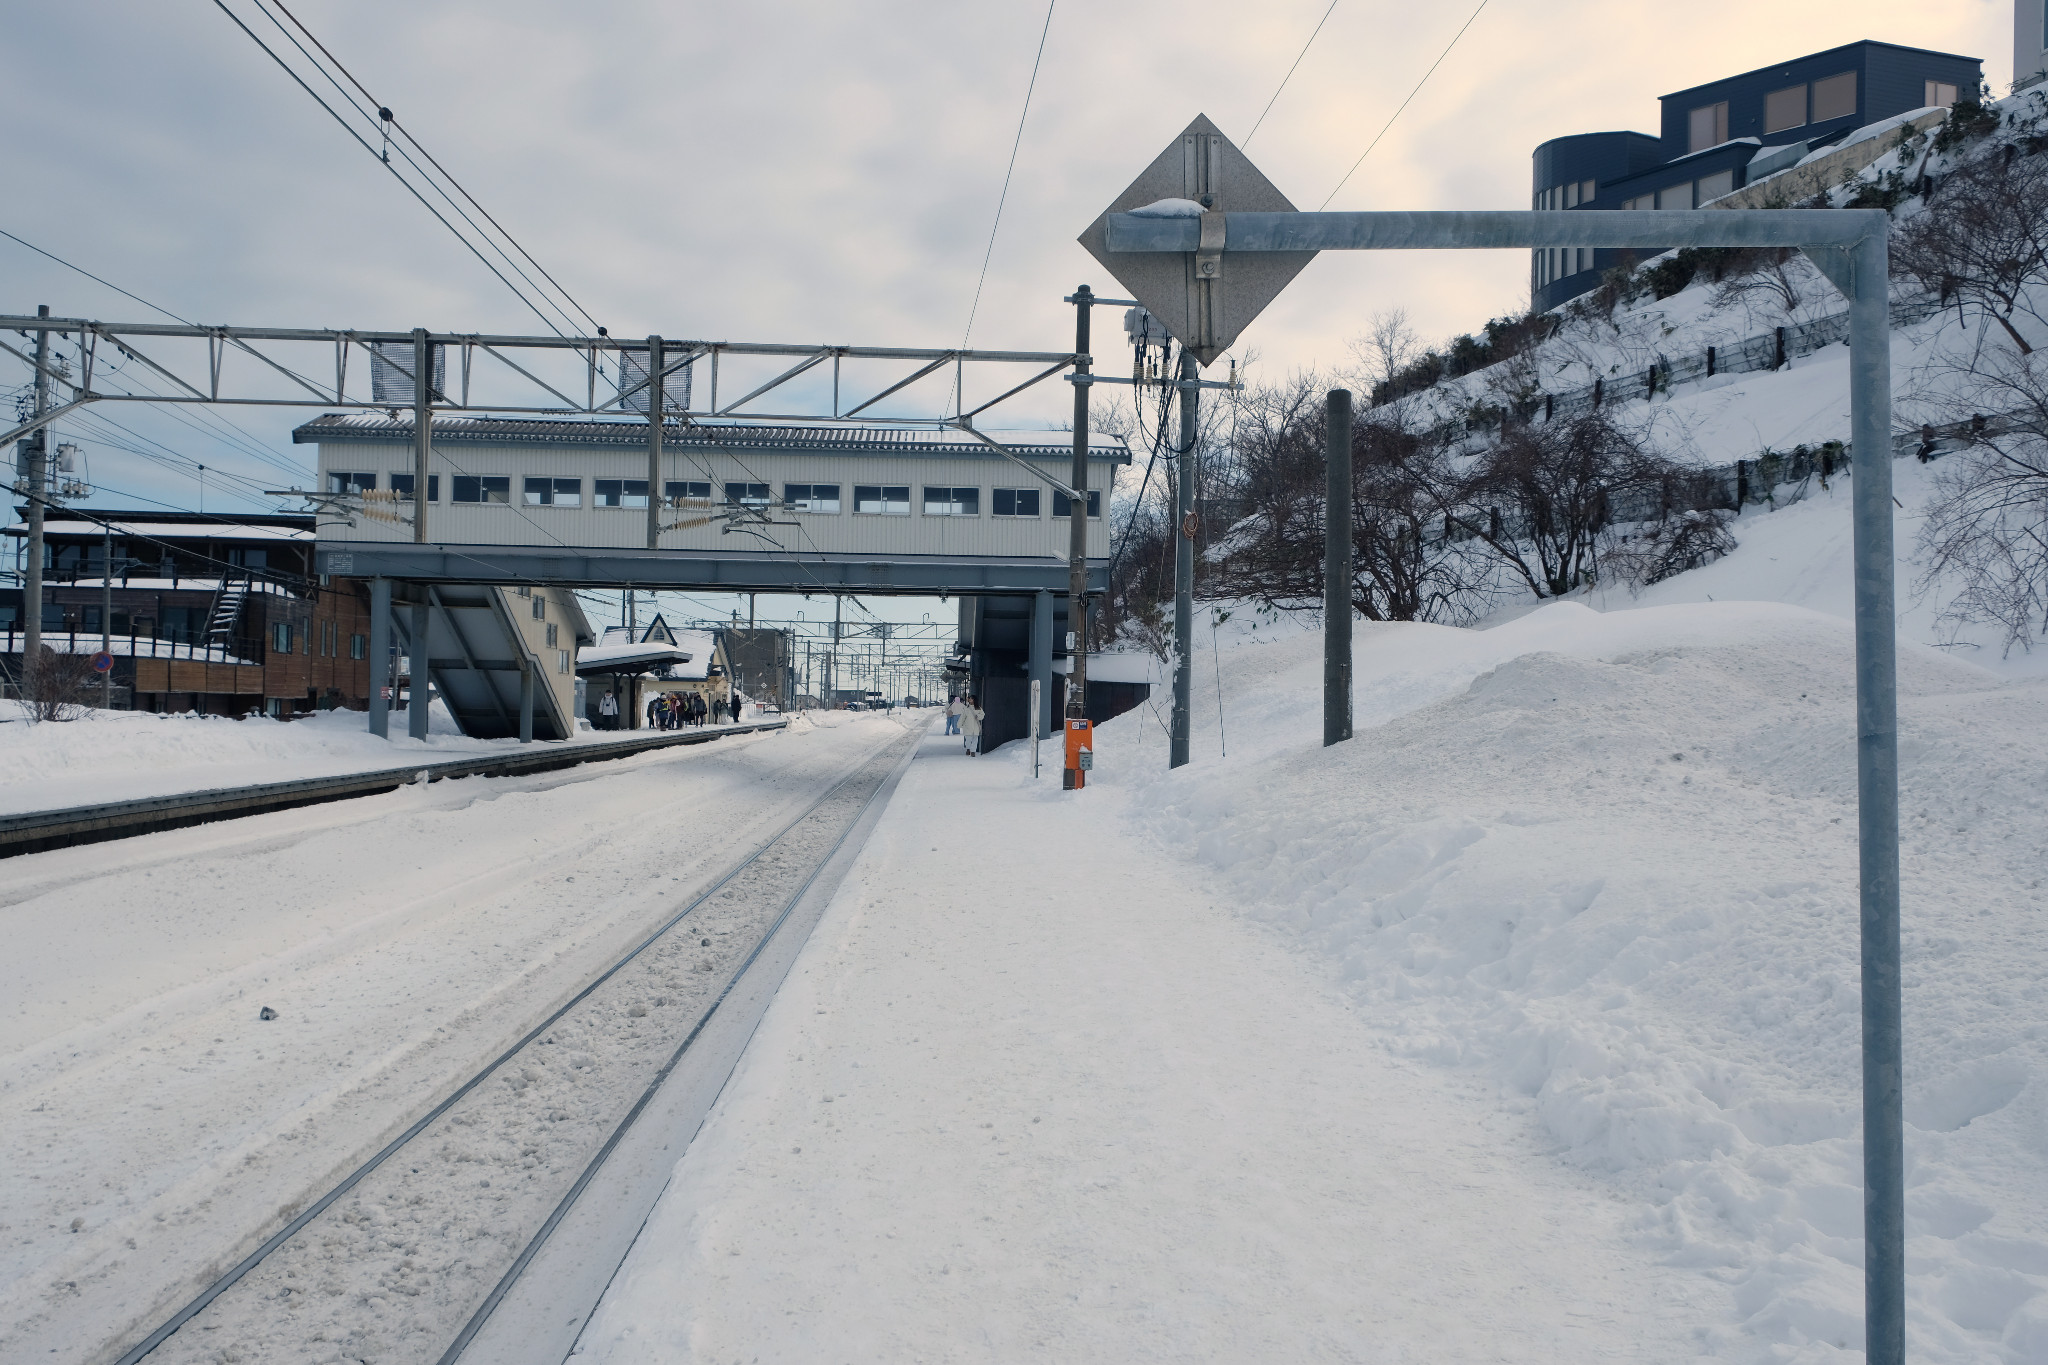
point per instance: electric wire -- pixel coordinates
(1004, 197)
(335, 114)
(1404, 104)
(1289, 76)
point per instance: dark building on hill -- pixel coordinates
(1716, 138)
(209, 612)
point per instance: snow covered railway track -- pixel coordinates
(407, 1257)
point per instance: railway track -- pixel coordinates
(410, 1255)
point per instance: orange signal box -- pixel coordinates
(1080, 753)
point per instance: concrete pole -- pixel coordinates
(380, 657)
(422, 671)
(1877, 791)
(1077, 538)
(655, 362)
(1337, 571)
(1041, 664)
(1184, 565)
(37, 450)
(422, 429)
(107, 618)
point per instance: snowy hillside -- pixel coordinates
(1607, 862)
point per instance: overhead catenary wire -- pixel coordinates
(1404, 104)
(1289, 76)
(1004, 197)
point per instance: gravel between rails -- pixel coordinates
(391, 1270)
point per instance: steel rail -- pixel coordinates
(539, 1239)
(227, 1281)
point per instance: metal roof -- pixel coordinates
(377, 429)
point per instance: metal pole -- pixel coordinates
(36, 448)
(422, 672)
(1036, 727)
(525, 702)
(1337, 571)
(422, 429)
(1077, 538)
(1040, 659)
(107, 619)
(655, 363)
(1184, 564)
(1877, 807)
(380, 657)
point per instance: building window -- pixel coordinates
(401, 486)
(553, 638)
(554, 492)
(1942, 95)
(562, 661)
(540, 608)
(1063, 506)
(482, 488)
(684, 491)
(1711, 187)
(281, 637)
(1709, 127)
(1784, 109)
(1586, 189)
(882, 500)
(1014, 502)
(1641, 201)
(358, 646)
(952, 502)
(618, 493)
(339, 481)
(820, 498)
(1834, 97)
(1677, 197)
(747, 495)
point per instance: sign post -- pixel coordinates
(1207, 265)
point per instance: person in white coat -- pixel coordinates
(970, 726)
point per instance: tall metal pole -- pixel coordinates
(107, 617)
(1077, 538)
(1877, 806)
(422, 429)
(36, 448)
(1184, 564)
(380, 657)
(1337, 571)
(655, 408)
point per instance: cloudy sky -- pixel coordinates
(803, 170)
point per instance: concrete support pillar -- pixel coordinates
(422, 674)
(526, 703)
(1041, 661)
(380, 657)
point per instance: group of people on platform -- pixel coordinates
(963, 717)
(674, 710)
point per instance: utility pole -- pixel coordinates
(1077, 539)
(107, 617)
(1337, 571)
(36, 447)
(422, 429)
(1184, 562)
(655, 364)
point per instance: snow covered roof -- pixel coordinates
(703, 648)
(628, 658)
(843, 439)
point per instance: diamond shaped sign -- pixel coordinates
(1203, 298)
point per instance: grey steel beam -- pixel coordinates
(1337, 570)
(656, 417)
(421, 670)
(1041, 661)
(1656, 229)
(422, 430)
(525, 702)
(380, 656)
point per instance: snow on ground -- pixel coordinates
(128, 755)
(156, 1127)
(1036, 1091)
(1587, 882)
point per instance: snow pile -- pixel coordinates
(1607, 863)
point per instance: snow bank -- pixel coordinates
(1607, 863)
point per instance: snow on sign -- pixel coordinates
(1202, 304)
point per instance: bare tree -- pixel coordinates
(1982, 239)
(1386, 348)
(55, 689)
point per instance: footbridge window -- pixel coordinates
(952, 502)
(819, 498)
(882, 500)
(554, 492)
(687, 492)
(401, 487)
(1063, 506)
(747, 494)
(1014, 502)
(483, 488)
(339, 481)
(619, 492)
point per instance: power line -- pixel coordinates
(411, 189)
(1004, 198)
(1289, 76)
(1404, 104)
(157, 308)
